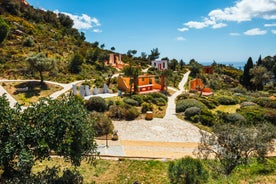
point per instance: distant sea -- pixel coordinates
(235, 64)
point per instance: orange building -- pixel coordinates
(115, 61)
(197, 85)
(146, 84)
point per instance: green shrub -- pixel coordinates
(138, 98)
(235, 118)
(147, 98)
(131, 113)
(195, 119)
(4, 30)
(187, 171)
(207, 118)
(256, 114)
(117, 112)
(29, 41)
(131, 102)
(146, 107)
(265, 102)
(182, 96)
(96, 104)
(211, 103)
(226, 100)
(252, 114)
(182, 105)
(159, 101)
(158, 95)
(110, 102)
(191, 111)
(103, 125)
(245, 104)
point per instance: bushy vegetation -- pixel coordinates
(4, 30)
(191, 112)
(59, 126)
(122, 111)
(96, 104)
(102, 124)
(265, 102)
(182, 105)
(146, 107)
(131, 101)
(187, 170)
(233, 145)
(255, 114)
(227, 100)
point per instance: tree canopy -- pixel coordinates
(4, 30)
(233, 145)
(61, 126)
(40, 63)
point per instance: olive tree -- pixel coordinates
(59, 126)
(232, 145)
(40, 63)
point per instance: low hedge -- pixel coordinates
(265, 102)
(138, 98)
(207, 118)
(131, 102)
(257, 114)
(227, 100)
(191, 111)
(182, 105)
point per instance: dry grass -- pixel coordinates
(227, 108)
(115, 171)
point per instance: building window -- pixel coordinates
(163, 65)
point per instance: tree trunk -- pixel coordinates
(41, 78)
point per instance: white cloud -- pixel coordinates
(245, 10)
(183, 29)
(204, 24)
(273, 31)
(234, 34)
(82, 22)
(180, 38)
(270, 25)
(242, 10)
(255, 31)
(219, 25)
(196, 25)
(97, 31)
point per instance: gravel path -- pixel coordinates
(139, 137)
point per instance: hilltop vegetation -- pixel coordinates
(31, 31)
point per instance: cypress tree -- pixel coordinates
(260, 61)
(246, 77)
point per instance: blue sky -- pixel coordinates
(206, 30)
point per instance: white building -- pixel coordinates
(160, 64)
